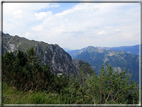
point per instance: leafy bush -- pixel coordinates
(24, 73)
(112, 87)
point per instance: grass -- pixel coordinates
(12, 96)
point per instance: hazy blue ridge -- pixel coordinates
(96, 56)
(129, 49)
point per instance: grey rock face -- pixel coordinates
(11, 47)
(58, 60)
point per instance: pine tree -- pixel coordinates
(32, 57)
(7, 66)
(21, 58)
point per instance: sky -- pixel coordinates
(74, 25)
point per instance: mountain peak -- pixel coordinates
(53, 55)
(96, 56)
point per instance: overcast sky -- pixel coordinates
(74, 25)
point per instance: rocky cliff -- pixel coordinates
(58, 60)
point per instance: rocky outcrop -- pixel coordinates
(59, 61)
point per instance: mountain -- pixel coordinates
(96, 56)
(74, 53)
(129, 49)
(59, 61)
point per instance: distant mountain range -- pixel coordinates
(129, 49)
(96, 56)
(61, 61)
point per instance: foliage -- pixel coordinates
(85, 71)
(25, 75)
(112, 87)
(31, 56)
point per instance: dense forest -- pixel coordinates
(24, 74)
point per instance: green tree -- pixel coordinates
(85, 71)
(112, 87)
(73, 86)
(18, 72)
(21, 58)
(7, 65)
(32, 57)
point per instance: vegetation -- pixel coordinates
(25, 81)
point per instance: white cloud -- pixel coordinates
(117, 30)
(102, 33)
(64, 12)
(10, 8)
(96, 24)
(18, 14)
(29, 35)
(54, 5)
(25, 14)
(41, 15)
(37, 28)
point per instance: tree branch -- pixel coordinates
(108, 96)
